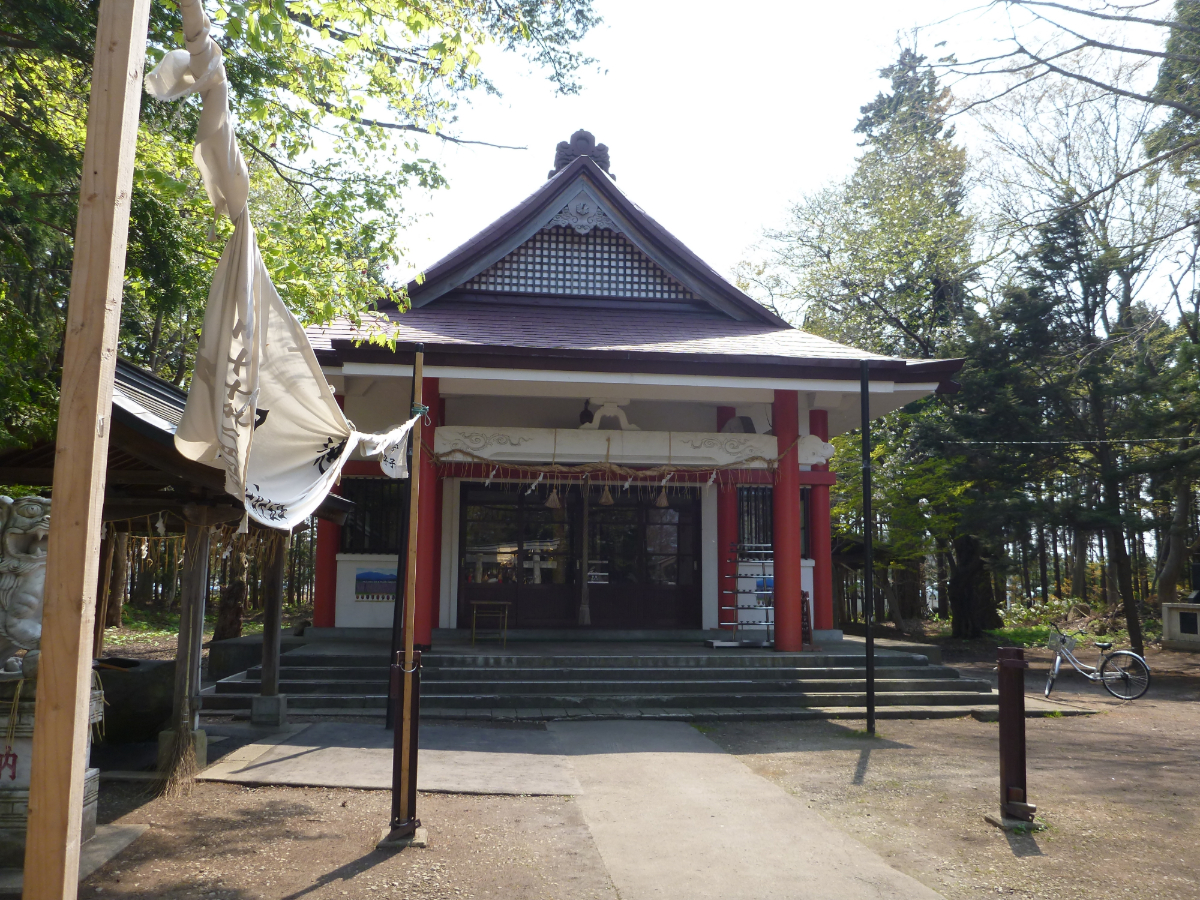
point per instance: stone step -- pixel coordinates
(700, 714)
(349, 703)
(537, 673)
(731, 686)
(599, 687)
(688, 701)
(734, 659)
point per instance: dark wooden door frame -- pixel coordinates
(646, 611)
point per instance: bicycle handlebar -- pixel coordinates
(1072, 633)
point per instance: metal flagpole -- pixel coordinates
(404, 754)
(868, 548)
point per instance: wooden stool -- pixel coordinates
(494, 612)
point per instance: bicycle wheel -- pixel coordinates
(1053, 674)
(1125, 675)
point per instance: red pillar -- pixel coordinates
(727, 536)
(329, 542)
(786, 514)
(429, 536)
(329, 539)
(820, 542)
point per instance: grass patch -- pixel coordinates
(1021, 635)
(860, 733)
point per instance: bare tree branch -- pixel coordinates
(1109, 17)
(417, 129)
(1185, 108)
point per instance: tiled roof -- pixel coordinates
(485, 325)
(149, 392)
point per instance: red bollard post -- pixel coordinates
(1014, 802)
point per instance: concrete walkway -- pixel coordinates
(453, 759)
(673, 816)
(677, 818)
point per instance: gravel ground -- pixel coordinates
(1117, 790)
(228, 842)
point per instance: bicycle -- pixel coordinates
(1123, 673)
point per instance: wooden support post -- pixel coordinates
(1010, 682)
(273, 618)
(270, 707)
(585, 604)
(103, 589)
(196, 545)
(404, 813)
(84, 417)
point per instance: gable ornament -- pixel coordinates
(583, 215)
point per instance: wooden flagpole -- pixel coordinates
(404, 813)
(84, 418)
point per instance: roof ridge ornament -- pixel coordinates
(582, 143)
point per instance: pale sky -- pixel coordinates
(716, 115)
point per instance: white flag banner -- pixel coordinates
(258, 407)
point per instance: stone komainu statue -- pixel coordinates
(24, 529)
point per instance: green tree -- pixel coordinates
(331, 99)
(882, 260)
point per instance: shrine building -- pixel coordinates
(583, 366)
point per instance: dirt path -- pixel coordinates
(1118, 791)
(227, 842)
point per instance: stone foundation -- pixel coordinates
(15, 769)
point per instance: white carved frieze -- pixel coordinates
(583, 214)
(632, 448)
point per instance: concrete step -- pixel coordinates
(983, 711)
(348, 704)
(450, 706)
(734, 659)
(687, 701)
(432, 675)
(705, 686)
(763, 659)
(325, 673)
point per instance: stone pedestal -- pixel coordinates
(269, 711)
(1181, 626)
(16, 765)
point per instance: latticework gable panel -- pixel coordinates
(600, 263)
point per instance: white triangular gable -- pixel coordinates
(580, 253)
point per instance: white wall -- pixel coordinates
(377, 404)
